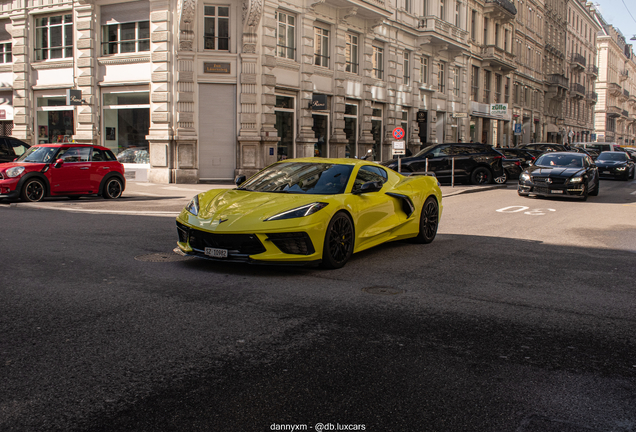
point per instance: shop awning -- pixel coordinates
(551, 128)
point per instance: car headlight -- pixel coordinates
(617, 169)
(524, 177)
(303, 211)
(578, 179)
(14, 172)
(193, 206)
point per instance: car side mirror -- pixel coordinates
(239, 180)
(58, 163)
(372, 186)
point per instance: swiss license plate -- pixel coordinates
(556, 191)
(606, 172)
(216, 253)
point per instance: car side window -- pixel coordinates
(18, 147)
(4, 148)
(369, 174)
(443, 150)
(98, 155)
(75, 154)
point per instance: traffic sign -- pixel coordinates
(399, 148)
(398, 133)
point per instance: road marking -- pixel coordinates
(533, 212)
(119, 212)
(633, 193)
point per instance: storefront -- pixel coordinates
(55, 119)
(285, 126)
(351, 128)
(6, 113)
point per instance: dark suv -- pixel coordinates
(11, 148)
(474, 162)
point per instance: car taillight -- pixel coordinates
(499, 157)
(518, 163)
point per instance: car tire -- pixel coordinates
(33, 190)
(633, 172)
(74, 197)
(480, 176)
(585, 192)
(429, 221)
(503, 179)
(339, 242)
(113, 188)
(595, 191)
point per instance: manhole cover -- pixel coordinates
(383, 290)
(163, 257)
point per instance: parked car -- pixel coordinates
(615, 164)
(11, 148)
(588, 151)
(539, 148)
(512, 170)
(473, 162)
(560, 174)
(597, 146)
(309, 211)
(632, 152)
(137, 155)
(62, 169)
(525, 157)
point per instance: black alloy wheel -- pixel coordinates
(429, 220)
(481, 176)
(339, 241)
(113, 188)
(33, 190)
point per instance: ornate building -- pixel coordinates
(556, 83)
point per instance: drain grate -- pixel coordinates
(383, 290)
(163, 257)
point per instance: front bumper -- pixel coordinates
(613, 173)
(566, 189)
(9, 188)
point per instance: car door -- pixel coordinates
(73, 174)
(439, 161)
(376, 213)
(464, 159)
(101, 164)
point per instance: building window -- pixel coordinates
(442, 4)
(285, 35)
(376, 131)
(487, 86)
(405, 125)
(456, 81)
(424, 7)
(321, 47)
(5, 53)
(285, 124)
(54, 37)
(526, 96)
(378, 62)
(126, 117)
(407, 5)
(351, 129)
(485, 31)
(457, 6)
(423, 70)
(498, 80)
(216, 33)
(507, 91)
(441, 84)
(474, 84)
(126, 37)
(473, 24)
(407, 68)
(506, 36)
(517, 94)
(351, 53)
(55, 120)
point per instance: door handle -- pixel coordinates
(84, 168)
(105, 168)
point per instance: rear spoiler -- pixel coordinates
(419, 173)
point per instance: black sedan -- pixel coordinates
(615, 164)
(560, 174)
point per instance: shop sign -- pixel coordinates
(421, 116)
(217, 68)
(318, 102)
(73, 97)
(460, 115)
(499, 109)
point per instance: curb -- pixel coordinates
(453, 192)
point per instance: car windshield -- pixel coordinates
(612, 156)
(37, 154)
(561, 160)
(301, 178)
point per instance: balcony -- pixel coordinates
(498, 58)
(577, 90)
(625, 113)
(623, 75)
(614, 89)
(365, 9)
(592, 70)
(578, 61)
(613, 111)
(623, 96)
(558, 87)
(502, 10)
(559, 80)
(592, 97)
(442, 35)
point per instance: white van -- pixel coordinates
(598, 146)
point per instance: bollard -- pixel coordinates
(453, 172)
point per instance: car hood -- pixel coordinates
(29, 165)
(610, 164)
(539, 171)
(236, 208)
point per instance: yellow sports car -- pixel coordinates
(312, 210)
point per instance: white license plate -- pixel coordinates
(606, 172)
(556, 191)
(216, 253)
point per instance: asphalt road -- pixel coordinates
(518, 317)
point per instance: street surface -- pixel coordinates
(519, 317)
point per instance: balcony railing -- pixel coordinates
(506, 4)
(578, 89)
(626, 93)
(614, 89)
(613, 111)
(625, 113)
(559, 80)
(593, 70)
(503, 59)
(592, 96)
(578, 59)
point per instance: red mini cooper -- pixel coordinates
(64, 169)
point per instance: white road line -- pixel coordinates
(119, 212)
(633, 193)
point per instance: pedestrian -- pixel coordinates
(459, 140)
